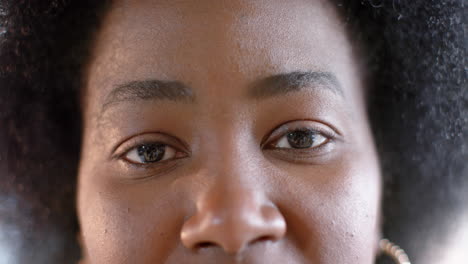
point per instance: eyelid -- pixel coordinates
(279, 131)
(134, 141)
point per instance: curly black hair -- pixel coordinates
(417, 102)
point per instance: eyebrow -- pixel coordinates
(282, 84)
(149, 90)
(177, 91)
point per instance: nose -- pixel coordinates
(232, 219)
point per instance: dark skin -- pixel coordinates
(226, 132)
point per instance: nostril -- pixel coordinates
(262, 239)
(232, 225)
(205, 244)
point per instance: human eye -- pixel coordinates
(150, 153)
(151, 149)
(301, 140)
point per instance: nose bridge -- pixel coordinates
(229, 199)
(233, 211)
(234, 193)
(229, 159)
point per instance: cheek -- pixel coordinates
(123, 223)
(333, 210)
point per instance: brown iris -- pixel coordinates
(151, 152)
(301, 138)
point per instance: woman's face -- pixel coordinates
(226, 132)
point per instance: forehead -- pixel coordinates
(224, 43)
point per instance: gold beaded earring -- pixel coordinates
(394, 251)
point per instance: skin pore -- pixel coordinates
(226, 132)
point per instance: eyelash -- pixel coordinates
(137, 145)
(306, 155)
(329, 138)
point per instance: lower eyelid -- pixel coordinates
(306, 156)
(150, 170)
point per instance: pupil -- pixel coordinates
(151, 153)
(301, 138)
